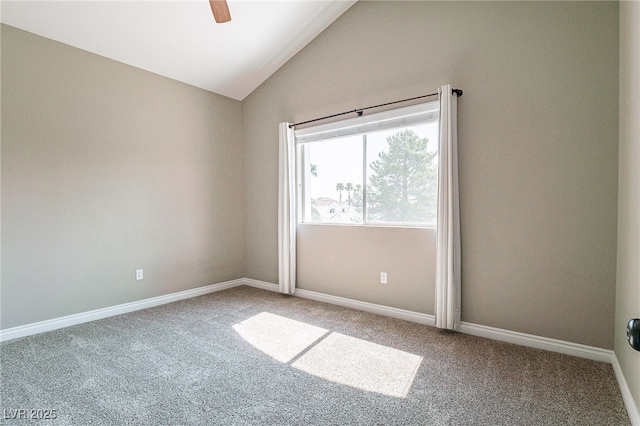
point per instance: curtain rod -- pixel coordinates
(359, 111)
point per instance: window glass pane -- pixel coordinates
(379, 169)
(402, 175)
(334, 180)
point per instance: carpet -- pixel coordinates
(246, 356)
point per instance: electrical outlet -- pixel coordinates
(383, 277)
(139, 274)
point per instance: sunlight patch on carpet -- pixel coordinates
(332, 356)
(279, 337)
(361, 364)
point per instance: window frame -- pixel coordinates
(361, 125)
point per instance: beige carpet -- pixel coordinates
(248, 356)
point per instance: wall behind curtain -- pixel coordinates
(106, 169)
(538, 157)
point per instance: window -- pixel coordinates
(379, 169)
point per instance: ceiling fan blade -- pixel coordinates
(220, 11)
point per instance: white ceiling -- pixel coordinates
(180, 39)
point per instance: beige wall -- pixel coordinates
(628, 289)
(106, 169)
(345, 260)
(538, 155)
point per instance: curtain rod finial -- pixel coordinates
(458, 92)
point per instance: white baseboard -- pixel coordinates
(627, 397)
(67, 321)
(522, 339)
(261, 284)
(538, 342)
(368, 307)
(545, 343)
(350, 303)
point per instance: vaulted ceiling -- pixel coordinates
(180, 39)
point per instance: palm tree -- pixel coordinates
(340, 188)
(349, 187)
(357, 198)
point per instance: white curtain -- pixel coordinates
(447, 309)
(287, 211)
